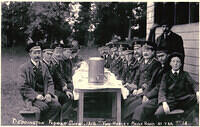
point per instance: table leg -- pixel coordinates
(80, 107)
(114, 105)
(119, 107)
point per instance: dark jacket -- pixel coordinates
(147, 74)
(62, 74)
(152, 91)
(122, 69)
(172, 89)
(132, 70)
(115, 65)
(172, 43)
(108, 61)
(27, 83)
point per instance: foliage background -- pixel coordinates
(84, 21)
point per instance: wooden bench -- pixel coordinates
(30, 115)
(174, 114)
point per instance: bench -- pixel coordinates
(175, 114)
(30, 113)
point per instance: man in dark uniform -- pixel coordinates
(137, 52)
(177, 90)
(120, 60)
(36, 85)
(129, 59)
(63, 81)
(145, 80)
(114, 58)
(47, 56)
(108, 60)
(124, 65)
(169, 40)
(145, 111)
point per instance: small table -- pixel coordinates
(116, 102)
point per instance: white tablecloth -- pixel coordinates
(80, 81)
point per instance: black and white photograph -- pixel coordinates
(74, 63)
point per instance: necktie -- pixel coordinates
(175, 74)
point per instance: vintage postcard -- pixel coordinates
(99, 63)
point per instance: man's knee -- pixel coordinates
(55, 105)
(159, 112)
(41, 105)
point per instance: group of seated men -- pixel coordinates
(45, 81)
(155, 79)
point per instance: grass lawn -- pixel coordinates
(11, 101)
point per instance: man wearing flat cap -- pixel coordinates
(36, 85)
(126, 58)
(114, 58)
(177, 89)
(63, 80)
(137, 52)
(111, 57)
(169, 40)
(47, 55)
(145, 80)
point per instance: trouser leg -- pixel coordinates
(67, 109)
(145, 111)
(54, 111)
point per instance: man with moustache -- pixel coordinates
(63, 81)
(36, 85)
(145, 111)
(145, 80)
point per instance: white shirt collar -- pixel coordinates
(34, 63)
(45, 61)
(148, 62)
(168, 33)
(175, 71)
(138, 59)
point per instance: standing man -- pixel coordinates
(36, 85)
(169, 40)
